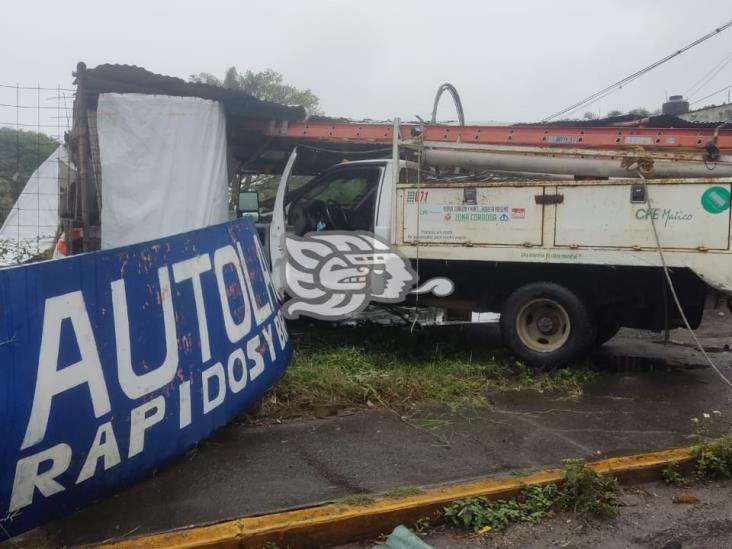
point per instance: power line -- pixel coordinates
(712, 94)
(708, 77)
(628, 79)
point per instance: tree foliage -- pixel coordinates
(267, 85)
(640, 111)
(21, 152)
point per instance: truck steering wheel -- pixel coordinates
(336, 215)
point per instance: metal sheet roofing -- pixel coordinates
(110, 78)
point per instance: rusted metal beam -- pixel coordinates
(612, 137)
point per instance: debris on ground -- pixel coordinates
(403, 538)
(685, 498)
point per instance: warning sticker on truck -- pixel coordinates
(491, 215)
(463, 214)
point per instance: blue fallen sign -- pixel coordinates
(112, 363)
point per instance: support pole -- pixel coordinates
(394, 181)
(87, 196)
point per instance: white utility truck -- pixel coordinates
(566, 261)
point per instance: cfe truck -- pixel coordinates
(566, 255)
(568, 230)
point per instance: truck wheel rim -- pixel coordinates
(543, 325)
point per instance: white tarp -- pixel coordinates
(30, 227)
(163, 166)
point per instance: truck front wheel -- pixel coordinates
(546, 324)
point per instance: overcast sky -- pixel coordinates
(510, 61)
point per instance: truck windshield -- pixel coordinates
(343, 199)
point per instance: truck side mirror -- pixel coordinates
(248, 205)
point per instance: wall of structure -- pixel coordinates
(720, 113)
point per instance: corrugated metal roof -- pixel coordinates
(110, 78)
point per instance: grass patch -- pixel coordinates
(402, 492)
(583, 492)
(388, 365)
(357, 500)
(714, 459)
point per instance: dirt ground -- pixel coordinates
(647, 519)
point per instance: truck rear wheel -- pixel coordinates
(546, 324)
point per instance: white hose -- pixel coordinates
(673, 290)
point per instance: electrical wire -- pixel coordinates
(628, 79)
(711, 94)
(708, 77)
(673, 289)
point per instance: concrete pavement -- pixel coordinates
(644, 399)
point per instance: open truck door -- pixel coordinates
(277, 230)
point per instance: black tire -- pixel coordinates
(606, 331)
(556, 326)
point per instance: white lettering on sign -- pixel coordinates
(253, 352)
(141, 419)
(138, 385)
(50, 380)
(235, 331)
(237, 383)
(209, 387)
(215, 372)
(280, 329)
(184, 399)
(105, 448)
(267, 332)
(260, 313)
(28, 477)
(192, 269)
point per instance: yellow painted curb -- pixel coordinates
(340, 523)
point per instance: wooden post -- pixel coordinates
(88, 201)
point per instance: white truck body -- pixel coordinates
(595, 223)
(565, 262)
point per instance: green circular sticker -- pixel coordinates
(716, 199)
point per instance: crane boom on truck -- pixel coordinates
(567, 255)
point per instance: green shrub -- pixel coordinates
(714, 459)
(583, 492)
(533, 505)
(586, 493)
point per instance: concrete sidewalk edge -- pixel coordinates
(336, 523)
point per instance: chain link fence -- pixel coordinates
(33, 121)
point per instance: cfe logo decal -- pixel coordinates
(716, 200)
(332, 275)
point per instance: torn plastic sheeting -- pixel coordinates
(30, 227)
